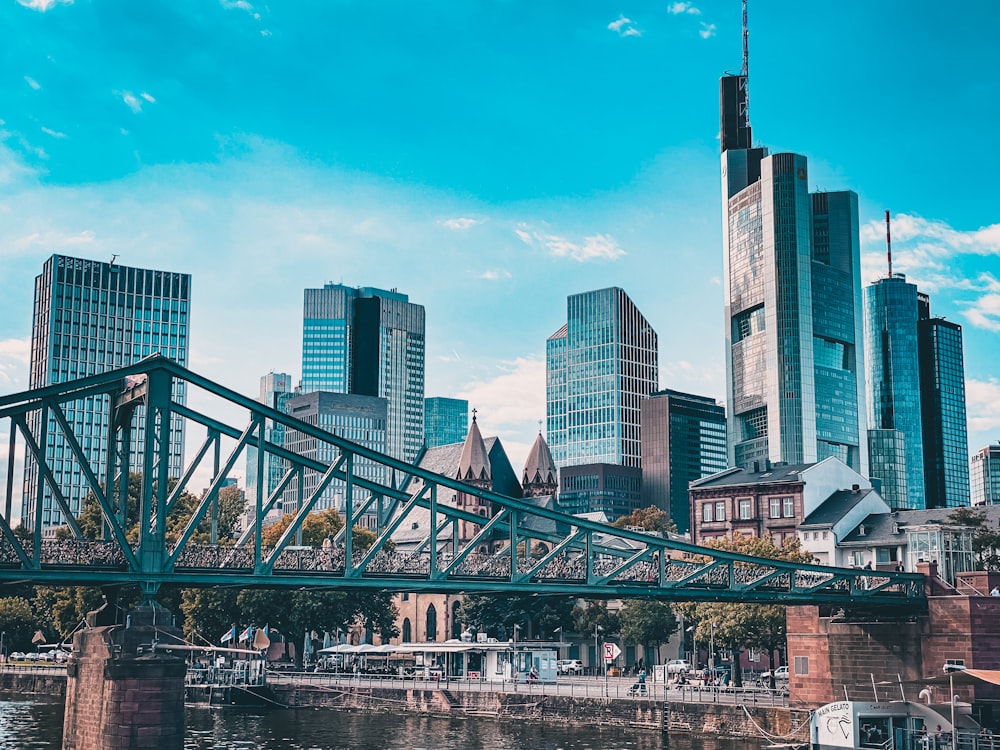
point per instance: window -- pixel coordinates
(431, 624)
(801, 664)
(720, 510)
(706, 512)
(789, 507)
(407, 631)
(746, 509)
(775, 507)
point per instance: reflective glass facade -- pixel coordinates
(370, 342)
(275, 390)
(599, 367)
(446, 421)
(894, 388)
(942, 383)
(91, 317)
(592, 488)
(793, 306)
(683, 439)
(984, 476)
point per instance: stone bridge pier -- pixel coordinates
(120, 692)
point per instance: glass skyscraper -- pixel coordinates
(792, 274)
(360, 419)
(91, 317)
(446, 421)
(275, 390)
(369, 342)
(984, 476)
(942, 399)
(894, 412)
(598, 368)
(683, 439)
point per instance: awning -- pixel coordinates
(964, 677)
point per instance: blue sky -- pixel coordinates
(488, 159)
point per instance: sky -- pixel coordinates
(487, 158)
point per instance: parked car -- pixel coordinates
(678, 666)
(17, 656)
(780, 675)
(569, 666)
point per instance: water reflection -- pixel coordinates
(31, 724)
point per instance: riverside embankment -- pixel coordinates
(696, 712)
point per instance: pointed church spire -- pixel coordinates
(475, 462)
(540, 477)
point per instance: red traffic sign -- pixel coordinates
(611, 651)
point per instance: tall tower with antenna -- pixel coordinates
(794, 325)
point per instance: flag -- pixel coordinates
(229, 634)
(245, 635)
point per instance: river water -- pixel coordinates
(30, 724)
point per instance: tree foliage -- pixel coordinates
(18, 622)
(595, 614)
(985, 540)
(648, 519)
(649, 623)
(536, 616)
(736, 627)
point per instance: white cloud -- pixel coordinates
(707, 30)
(935, 238)
(54, 239)
(148, 97)
(982, 402)
(460, 223)
(15, 355)
(43, 5)
(32, 82)
(53, 133)
(624, 27)
(679, 8)
(495, 275)
(131, 101)
(237, 5)
(595, 247)
(985, 313)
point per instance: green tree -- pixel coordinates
(592, 615)
(648, 623)
(735, 627)
(61, 609)
(985, 540)
(18, 622)
(208, 613)
(497, 614)
(648, 519)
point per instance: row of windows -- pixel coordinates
(777, 507)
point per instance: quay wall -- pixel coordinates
(752, 722)
(718, 719)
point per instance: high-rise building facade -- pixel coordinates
(275, 390)
(446, 420)
(370, 342)
(942, 400)
(683, 439)
(984, 476)
(794, 330)
(91, 317)
(611, 489)
(599, 367)
(893, 375)
(360, 419)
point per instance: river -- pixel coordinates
(30, 724)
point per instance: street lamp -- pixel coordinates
(559, 640)
(516, 666)
(597, 651)
(711, 651)
(2, 655)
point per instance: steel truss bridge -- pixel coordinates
(518, 547)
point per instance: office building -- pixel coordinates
(446, 420)
(942, 402)
(683, 439)
(598, 368)
(275, 390)
(896, 447)
(369, 342)
(984, 476)
(794, 327)
(360, 419)
(91, 317)
(611, 489)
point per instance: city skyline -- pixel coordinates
(490, 161)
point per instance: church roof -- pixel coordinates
(475, 461)
(539, 468)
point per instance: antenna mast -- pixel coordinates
(888, 242)
(745, 70)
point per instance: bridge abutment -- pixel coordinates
(120, 693)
